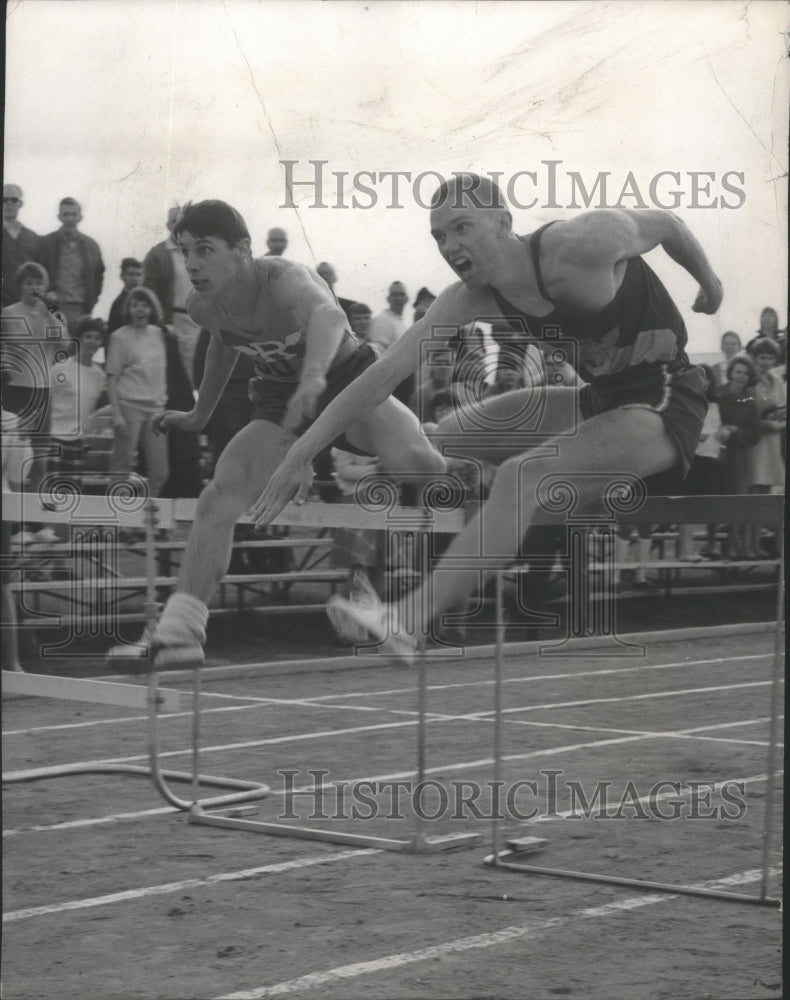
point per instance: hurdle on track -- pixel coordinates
(153, 515)
(422, 523)
(116, 510)
(676, 510)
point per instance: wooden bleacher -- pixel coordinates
(107, 585)
(77, 584)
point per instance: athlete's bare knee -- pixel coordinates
(413, 457)
(435, 459)
(220, 503)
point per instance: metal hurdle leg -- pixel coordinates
(776, 707)
(502, 858)
(243, 791)
(417, 843)
(498, 657)
(129, 696)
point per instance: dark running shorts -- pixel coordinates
(270, 399)
(680, 402)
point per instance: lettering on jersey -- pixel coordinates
(279, 359)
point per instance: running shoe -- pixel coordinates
(361, 592)
(374, 621)
(173, 649)
(174, 644)
(132, 650)
(181, 651)
(46, 536)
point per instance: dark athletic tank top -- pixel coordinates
(639, 335)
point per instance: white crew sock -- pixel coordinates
(183, 615)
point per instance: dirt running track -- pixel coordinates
(109, 893)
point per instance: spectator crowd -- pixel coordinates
(84, 375)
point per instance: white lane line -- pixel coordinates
(650, 800)
(259, 703)
(307, 984)
(190, 883)
(318, 699)
(394, 776)
(36, 730)
(584, 702)
(686, 734)
(638, 734)
(380, 727)
(270, 741)
(603, 672)
(75, 824)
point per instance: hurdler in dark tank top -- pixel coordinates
(637, 338)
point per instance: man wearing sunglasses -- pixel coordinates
(20, 244)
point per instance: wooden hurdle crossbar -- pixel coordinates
(765, 509)
(93, 691)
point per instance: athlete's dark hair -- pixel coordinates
(211, 218)
(482, 192)
(128, 262)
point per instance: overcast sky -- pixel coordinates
(130, 105)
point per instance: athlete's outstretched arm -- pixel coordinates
(618, 234)
(293, 478)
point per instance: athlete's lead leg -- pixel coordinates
(241, 474)
(620, 441)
